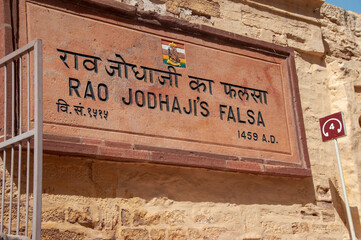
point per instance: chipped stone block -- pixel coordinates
(177, 234)
(134, 234)
(300, 227)
(157, 234)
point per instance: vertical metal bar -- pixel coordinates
(28, 144)
(4, 151)
(12, 147)
(11, 188)
(3, 191)
(38, 139)
(28, 88)
(348, 211)
(20, 95)
(20, 148)
(12, 98)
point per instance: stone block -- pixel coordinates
(271, 238)
(125, 217)
(201, 7)
(177, 234)
(300, 227)
(310, 212)
(53, 215)
(213, 233)
(204, 219)
(56, 234)
(323, 193)
(83, 217)
(326, 228)
(174, 218)
(157, 234)
(134, 234)
(143, 218)
(272, 227)
(195, 234)
(328, 216)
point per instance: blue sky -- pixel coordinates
(352, 5)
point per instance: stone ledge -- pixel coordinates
(123, 152)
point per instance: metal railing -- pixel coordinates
(22, 136)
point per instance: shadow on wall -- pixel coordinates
(340, 207)
(105, 179)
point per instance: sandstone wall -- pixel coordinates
(93, 199)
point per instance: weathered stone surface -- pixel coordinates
(195, 234)
(134, 234)
(83, 218)
(300, 227)
(53, 215)
(142, 218)
(328, 216)
(177, 234)
(213, 233)
(125, 217)
(174, 218)
(198, 7)
(157, 234)
(55, 234)
(341, 31)
(277, 228)
(309, 41)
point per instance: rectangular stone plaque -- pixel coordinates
(199, 90)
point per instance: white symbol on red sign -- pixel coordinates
(332, 126)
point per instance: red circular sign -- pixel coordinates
(332, 126)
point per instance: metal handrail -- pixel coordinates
(17, 136)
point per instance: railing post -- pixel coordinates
(38, 139)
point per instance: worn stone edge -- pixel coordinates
(123, 152)
(301, 140)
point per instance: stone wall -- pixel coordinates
(126, 201)
(94, 199)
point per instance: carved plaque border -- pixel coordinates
(114, 12)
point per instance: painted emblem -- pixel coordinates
(173, 54)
